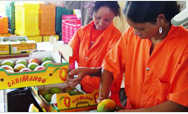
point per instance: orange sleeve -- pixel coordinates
(179, 86)
(114, 61)
(74, 43)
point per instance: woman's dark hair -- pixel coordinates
(113, 5)
(147, 11)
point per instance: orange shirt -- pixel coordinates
(156, 78)
(92, 57)
(95, 35)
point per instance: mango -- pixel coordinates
(32, 66)
(48, 97)
(68, 89)
(75, 92)
(8, 62)
(106, 105)
(46, 59)
(21, 61)
(43, 92)
(18, 67)
(55, 90)
(45, 63)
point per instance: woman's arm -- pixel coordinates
(81, 72)
(105, 84)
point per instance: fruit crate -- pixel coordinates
(66, 101)
(21, 47)
(53, 73)
(3, 25)
(46, 38)
(60, 11)
(47, 19)
(14, 38)
(5, 35)
(35, 38)
(69, 27)
(4, 48)
(10, 13)
(27, 18)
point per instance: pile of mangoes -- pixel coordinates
(22, 65)
(47, 94)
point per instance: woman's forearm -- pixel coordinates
(95, 71)
(105, 84)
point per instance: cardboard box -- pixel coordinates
(64, 102)
(4, 48)
(51, 74)
(14, 38)
(22, 47)
(16, 45)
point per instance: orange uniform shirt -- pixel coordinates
(92, 57)
(156, 78)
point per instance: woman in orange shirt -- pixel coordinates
(154, 56)
(92, 42)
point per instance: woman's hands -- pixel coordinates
(81, 72)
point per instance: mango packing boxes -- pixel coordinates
(16, 44)
(64, 102)
(22, 47)
(52, 74)
(4, 48)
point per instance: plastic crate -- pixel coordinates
(5, 35)
(59, 12)
(69, 17)
(46, 38)
(10, 13)
(60, 35)
(47, 19)
(27, 18)
(3, 25)
(35, 38)
(69, 27)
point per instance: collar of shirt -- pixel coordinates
(107, 32)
